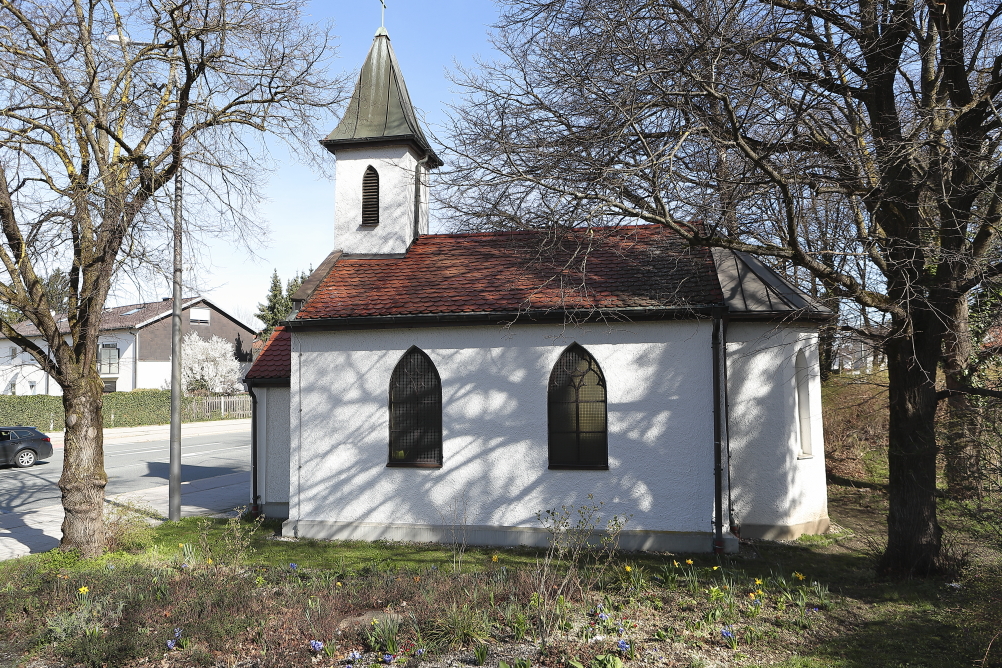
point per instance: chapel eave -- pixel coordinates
(423, 150)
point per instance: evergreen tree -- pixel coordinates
(57, 289)
(276, 307)
(295, 282)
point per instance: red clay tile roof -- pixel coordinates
(609, 268)
(117, 317)
(275, 361)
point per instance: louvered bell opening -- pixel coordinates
(370, 197)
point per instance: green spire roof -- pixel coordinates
(380, 111)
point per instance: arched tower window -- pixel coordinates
(803, 381)
(370, 197)
(415, 412)
(576, 412)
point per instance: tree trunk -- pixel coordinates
(913, 534)
(960, 447)
(83, 480)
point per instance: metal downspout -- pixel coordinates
(734, 529)
(135, 359)
(255, 506)
(718, 469)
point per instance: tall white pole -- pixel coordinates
(174, 488)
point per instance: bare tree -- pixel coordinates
(92, 129)
(761, 121)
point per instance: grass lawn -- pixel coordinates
(233, 594)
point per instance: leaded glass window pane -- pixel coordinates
(415, 411)
(576, 412)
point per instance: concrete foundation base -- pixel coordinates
(500, 536)
(784, 532)
(275, 511)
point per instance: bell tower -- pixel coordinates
(383, 158)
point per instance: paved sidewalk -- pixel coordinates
(40, 530)
(161, 431)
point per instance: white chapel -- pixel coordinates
(425, 380)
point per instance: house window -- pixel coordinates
(198, 316)
(13, 352)
(370, 197)
(110, 386)
(803, 381)
(415, 412)
(31, 387)
(576, 412)
(108, 361)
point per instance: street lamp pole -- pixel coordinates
(174, 486)
(174, 491)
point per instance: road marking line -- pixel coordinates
(190, 454)
(139, 452)
(195, 454)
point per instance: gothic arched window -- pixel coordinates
(803, 381)
(370, 197)
(415, 412)
(576, 412)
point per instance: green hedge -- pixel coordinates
(38, 410)
(137, 408)
(121, 409)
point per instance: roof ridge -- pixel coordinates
(501, 233)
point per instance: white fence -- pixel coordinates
(216, 408)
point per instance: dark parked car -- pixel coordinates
(23, 446)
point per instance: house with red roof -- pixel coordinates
(134, 346)
(429, 383)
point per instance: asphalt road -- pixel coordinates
(130, 467)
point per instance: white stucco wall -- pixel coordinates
(495, 472)
(154, 374)
(776, 492)
(395, 166)
(272, 416)
(125, 379)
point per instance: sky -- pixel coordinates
(429, 38)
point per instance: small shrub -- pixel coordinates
(460, 626)
(381, 636)
(96, 650)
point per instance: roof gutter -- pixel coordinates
(493, 317)
(267, 382)
(255, 496)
